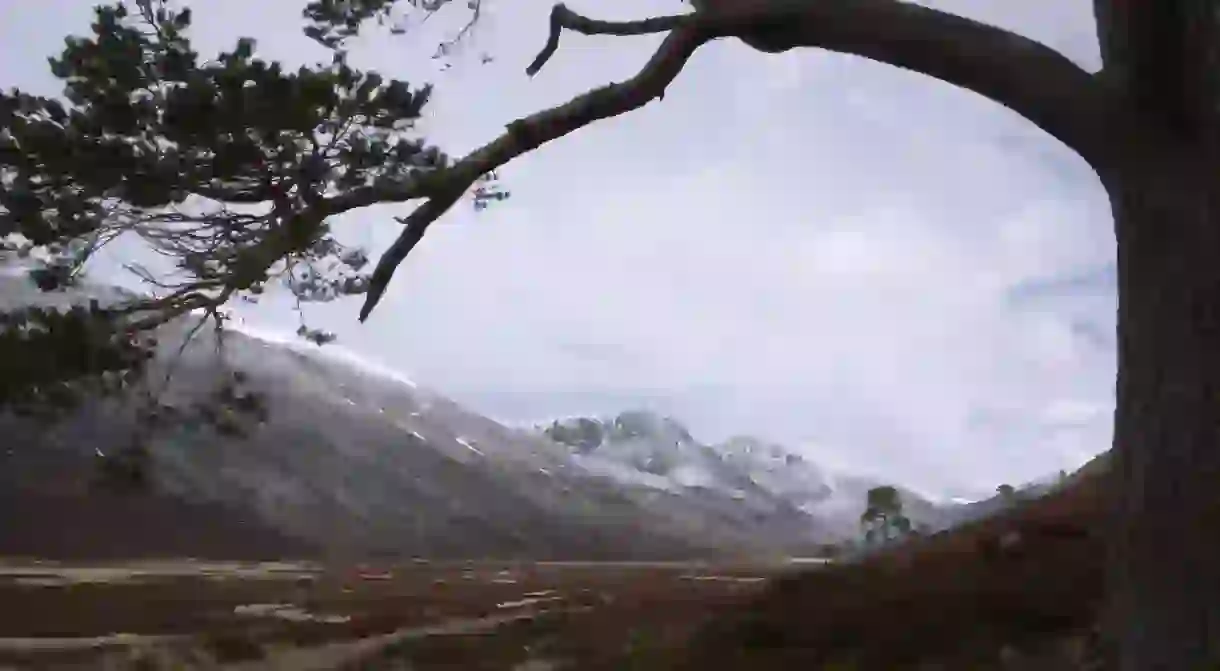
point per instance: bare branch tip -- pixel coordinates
(558, 14)
(370, 302)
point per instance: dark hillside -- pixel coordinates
(1025, 586)
(52, 506)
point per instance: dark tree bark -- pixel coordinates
(1164, 561)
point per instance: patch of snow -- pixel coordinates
(692, 475)
(466, 444)
(621, 473)
(332, 351)
(528, 602)
(289, 612)
(818, 561)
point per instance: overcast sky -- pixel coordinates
(895, 276)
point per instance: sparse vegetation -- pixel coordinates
(1021, 591)
(232, 646)
(1028, 581)
(601, 618)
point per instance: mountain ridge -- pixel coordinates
(352, 460)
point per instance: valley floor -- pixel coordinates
(468, 615)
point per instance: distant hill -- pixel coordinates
(1024, 584)
(747, 473)
(353, 461)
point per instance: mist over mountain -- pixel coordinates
(353, 461)
(645, 448)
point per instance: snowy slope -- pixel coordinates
(356, 460)
(644, 449)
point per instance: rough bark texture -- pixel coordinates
(1165, 552)
(1164, 53)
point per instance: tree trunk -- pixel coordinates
(1165, 547)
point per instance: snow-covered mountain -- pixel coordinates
(355, 460)
(350, 460)
(645, 449)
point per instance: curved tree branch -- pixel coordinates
(524, 135)
(1019, 73)
(1026, 76)
(1022, 74)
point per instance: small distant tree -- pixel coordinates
(883, 519)
(1006, 492)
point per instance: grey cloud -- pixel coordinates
(1099, 281)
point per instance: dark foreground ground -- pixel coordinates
(1021, 591)
(195, 615)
